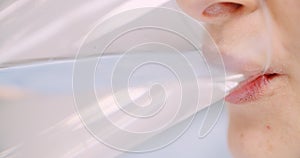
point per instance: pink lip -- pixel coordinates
(250, 90)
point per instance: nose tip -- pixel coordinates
(221, 9)
(240, 41)
(211, 11)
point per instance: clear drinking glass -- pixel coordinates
(132, 80)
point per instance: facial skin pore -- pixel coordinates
(270, 125)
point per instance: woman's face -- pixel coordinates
(265, 110)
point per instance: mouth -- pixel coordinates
(251, 89)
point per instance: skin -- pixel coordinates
(268, 126)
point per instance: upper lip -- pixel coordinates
(251, 88)
(249, 68)
(254, 77)
(270, 73)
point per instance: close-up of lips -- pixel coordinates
(158, 78)
(254, 88)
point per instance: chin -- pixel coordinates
(267, 126)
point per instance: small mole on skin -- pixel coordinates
(241, 135)
(268, 127)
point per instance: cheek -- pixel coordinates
(285, 15)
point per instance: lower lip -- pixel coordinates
(251, 90)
